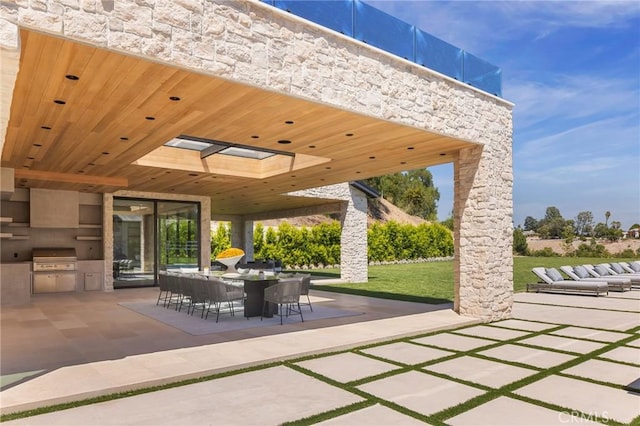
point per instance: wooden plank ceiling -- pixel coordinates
(86, 134)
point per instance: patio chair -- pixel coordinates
(305, 284)
(580, 273)
(175, 295)
(187, 292)
(285, 294)
(165, 288)
(200, 295)
(553, 282)
(217, 295)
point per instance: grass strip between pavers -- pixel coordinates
(437, 418)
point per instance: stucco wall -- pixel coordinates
(252, 42)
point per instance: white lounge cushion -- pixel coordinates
(581, 271)
(554, 274)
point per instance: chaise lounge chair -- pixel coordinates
(624, 270)
(605, 272)
(580, 273)
(553, 282)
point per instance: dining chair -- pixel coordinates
(285, 294)
(217, 295)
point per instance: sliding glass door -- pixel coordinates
(178, 234)
(149, 235)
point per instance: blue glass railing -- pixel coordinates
(364, 22)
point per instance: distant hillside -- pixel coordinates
(379, 210)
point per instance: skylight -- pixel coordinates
(208, 147)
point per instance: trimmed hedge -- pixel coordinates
(319, 245)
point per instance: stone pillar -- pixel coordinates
(107, 240)
(242, 236)
(205, 232)
(354, 261)
(483, 235)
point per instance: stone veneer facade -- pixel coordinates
(254, 43)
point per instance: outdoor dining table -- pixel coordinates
(254, 296)
(254, 286)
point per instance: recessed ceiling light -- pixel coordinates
(37, 144)
(150, 118)
(25, 166)
(288, 122)
(80, 171)
(372, 158)
(443, 154)
(193, 174)
(59, 102)
(322, 179)
(293, 175)
(358, 172)
(312, 146)
(72, 77)
(124, 138)
(31, 158)
(403, 162)
(174, 98)
(284, 142)
(105, 153)
(410, 147)
(349, 134)
(255, 137)
(328, 168)
(45, 127)
(92, 164)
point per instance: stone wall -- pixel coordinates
(252, 42)
(353, 237)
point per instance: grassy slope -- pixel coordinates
(433, 282)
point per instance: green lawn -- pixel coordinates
(432, 282)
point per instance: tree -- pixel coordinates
(607, 215)
(584, 223)
(412, 191)
(552, 213)
(616, 225)
(520, 245)
(530, 224)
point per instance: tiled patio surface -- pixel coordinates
(548, 365)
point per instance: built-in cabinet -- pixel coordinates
(82, 232)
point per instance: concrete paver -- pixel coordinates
(489, 332)
(606, 371)
(536, 357)
(624, 354)
(477, 370)
(635, 343)
(270, 396)
(604, 401)
(454, 341)
(407, 353)
(562, 343)
(280, 394)
(375, 415)
(589, 333)
(504, 411)
(577, 316)
(523, 325)
(421, 392)
(340, 367)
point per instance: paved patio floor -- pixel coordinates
(562, 359)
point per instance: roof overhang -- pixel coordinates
(105, 129)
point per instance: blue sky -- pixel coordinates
(572, 69)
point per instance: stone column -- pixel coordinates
(242, 236)
(483, 235)
(354, 262)
(107, 240)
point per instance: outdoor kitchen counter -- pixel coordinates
(16, 283)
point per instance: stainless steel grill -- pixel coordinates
(54, 270)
